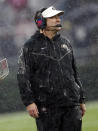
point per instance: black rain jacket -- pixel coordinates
(47, 73)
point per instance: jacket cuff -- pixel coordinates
(82, 100)
(28, 103)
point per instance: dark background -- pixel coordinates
(80, 26)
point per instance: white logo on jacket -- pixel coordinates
(64, 46)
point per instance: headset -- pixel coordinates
(39, 19)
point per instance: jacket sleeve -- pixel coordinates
(77, 79)
(23, 77)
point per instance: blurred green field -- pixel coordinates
(21, 121)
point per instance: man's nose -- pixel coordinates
(58, 18)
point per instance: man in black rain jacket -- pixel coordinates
(48, 79)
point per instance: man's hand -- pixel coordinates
(33, 110)
(83, 109)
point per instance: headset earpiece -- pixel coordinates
(39, 20)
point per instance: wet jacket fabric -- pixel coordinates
(60, 119)
(47, 72)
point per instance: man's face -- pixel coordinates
(52, 22)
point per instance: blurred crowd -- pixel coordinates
(80, 25)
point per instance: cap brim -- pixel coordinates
(50, 13)
(54, 14)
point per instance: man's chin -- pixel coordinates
(58, 28)
(54, 29)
